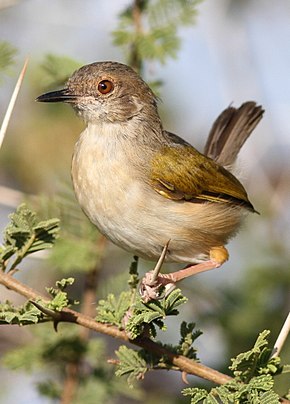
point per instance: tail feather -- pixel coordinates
(230, 131)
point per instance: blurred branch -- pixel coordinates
(68, 315)
(72, 369)
(135, 59)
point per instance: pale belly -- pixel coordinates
(138, 219)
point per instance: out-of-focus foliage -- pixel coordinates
(57, 69)
(80, 247)
(7, 58)
(151, 28)
(51, 352)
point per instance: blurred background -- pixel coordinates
(233, 52)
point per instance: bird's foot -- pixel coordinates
(152, 288)
(156, 286)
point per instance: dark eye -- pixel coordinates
(105, 86)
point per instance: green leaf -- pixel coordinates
(153, 313)
(26, 234)
(269, 397)
(156, 37)
(21, 315)
(255, 361)
(113, 309)
(60, 297)
(253, 382)
(196, 394)
(264, 382)
(64, 283)
(131, 363)
(188, 337)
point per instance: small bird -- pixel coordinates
(146, 189)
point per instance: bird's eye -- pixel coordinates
(105, 86)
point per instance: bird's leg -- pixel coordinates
(218, 255)
(150, 285)
(153, 281)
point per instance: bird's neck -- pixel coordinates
(144, 129)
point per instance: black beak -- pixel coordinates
(57, 96)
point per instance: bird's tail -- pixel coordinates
(230, 131)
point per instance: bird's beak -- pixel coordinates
(57, 96)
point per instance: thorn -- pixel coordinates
(281, 337)
(113, 361)
(13, 271)
(50, 313)
(159, 264)
(55, 324)
(11, 104)
(184, 377)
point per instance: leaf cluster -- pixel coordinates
(253, 379)
(59, 296)
(150, 28)
(137, 317)
(134, 364)
(37, 311)
(25, 235)
(21, 315)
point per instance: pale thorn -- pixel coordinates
(281, 337)
(11, 104)
(156, 270)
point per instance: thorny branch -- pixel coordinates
(72, 316)
(185, 365)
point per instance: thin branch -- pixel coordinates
(282, 337)
(12, 103)
(68, 315)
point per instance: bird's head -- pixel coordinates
(106, 91)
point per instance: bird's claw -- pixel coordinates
(155, 286)
(152, 288)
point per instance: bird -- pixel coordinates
(146, 189)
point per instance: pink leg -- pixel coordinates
(153, 281)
